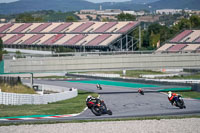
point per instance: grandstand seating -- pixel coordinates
(116, 27)
(61, 27)
(25, 37)
(33, 26)
(13, 27)
(5, 27)
(197, 39)
(50, 28)
(41, 27)
(100, 38)
(191, 47)
(176, 48)
(82, 27)
(191, 37)
(2, 35)
(61, 33)
(94, 27)
(74, 39)
(109, 40)
(186, 41)
(182, 35)
(53, 39)
(13, 38)
(105, 27)
(164, 48)
(127, 27)
(21, 27)
(87, 39)
(33, 39)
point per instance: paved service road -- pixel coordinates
(126, 102)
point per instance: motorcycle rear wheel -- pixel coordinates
(96, 110)
(109, 112)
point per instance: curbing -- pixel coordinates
(35, 118)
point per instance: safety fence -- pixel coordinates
(20, 99)
(10, 80)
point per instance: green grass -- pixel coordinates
(57, 77)
(70, 106)
(195, 76)
(137, 73)
(130, 73)
(190, 94)
(19, 88)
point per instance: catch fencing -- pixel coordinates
(20, 99)
(10, 80)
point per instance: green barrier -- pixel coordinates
(175, 89)
(2, 66)
(113, 83)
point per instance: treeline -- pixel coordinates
(156, 34)
(42, 16)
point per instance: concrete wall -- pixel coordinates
(20, 99)
(95, 62)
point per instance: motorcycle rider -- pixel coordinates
(91, 98)
(98, 86)
(171, 97)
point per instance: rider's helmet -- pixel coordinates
(169, 94)
(88, 97)
(97, 85)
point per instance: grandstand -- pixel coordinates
(186, 41)
(102, 36)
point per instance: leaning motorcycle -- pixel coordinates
(98, 107)
(179, 102)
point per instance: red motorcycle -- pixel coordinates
(97, 106)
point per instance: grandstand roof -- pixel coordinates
(64, 33)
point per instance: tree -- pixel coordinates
(89, 17)
(28, 17)
(195, 21)
(71, 19)
(126, 17)
(184, 24)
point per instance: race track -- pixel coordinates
(126, 102)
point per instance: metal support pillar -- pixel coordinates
(31, 82)
(121, 44)
(140, 37)
(132, 43)
(126, 42)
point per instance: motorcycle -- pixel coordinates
(140, 91)
(179, 102)
(98, 107)
(99, 87)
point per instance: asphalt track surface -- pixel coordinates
(126, 102)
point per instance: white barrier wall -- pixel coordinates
(20, 99)
(102, 62)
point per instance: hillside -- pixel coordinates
(34, 5)
(176, 4)
(75, 5)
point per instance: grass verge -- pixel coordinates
(56, 77)
(19, 88)
(190, 94)
(70, 106)
(130, 73)
(194, 76)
